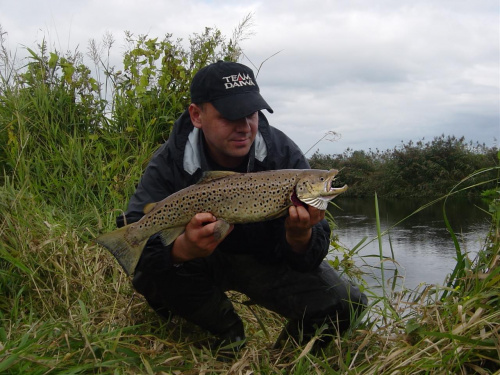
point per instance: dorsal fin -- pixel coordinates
(214, 175)
(148, 207)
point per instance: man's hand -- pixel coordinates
(199, 240)
(298, 226)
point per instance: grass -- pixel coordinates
(66, 307)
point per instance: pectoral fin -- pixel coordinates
(221, 229)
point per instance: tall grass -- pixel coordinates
(66, 307)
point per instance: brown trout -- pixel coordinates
(233, 198)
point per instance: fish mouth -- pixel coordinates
(331, 189)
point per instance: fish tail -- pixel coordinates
(126, 254)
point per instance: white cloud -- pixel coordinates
(377, 72)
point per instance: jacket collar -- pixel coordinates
(188, 139)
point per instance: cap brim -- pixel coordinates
(241, 105)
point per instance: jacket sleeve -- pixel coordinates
(156, 183)
(314, 255)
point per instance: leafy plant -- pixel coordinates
(421, 169)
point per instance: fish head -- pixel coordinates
(317, 187)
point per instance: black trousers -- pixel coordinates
(196, 289)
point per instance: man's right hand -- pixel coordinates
(199, 239)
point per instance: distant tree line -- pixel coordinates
(415, 169)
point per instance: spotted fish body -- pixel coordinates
(233, 198)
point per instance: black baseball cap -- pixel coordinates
(230, 87)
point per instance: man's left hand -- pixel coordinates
(298, 226)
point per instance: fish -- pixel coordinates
(232, 197)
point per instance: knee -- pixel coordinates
(353, 304)
(357, 300)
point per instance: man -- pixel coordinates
(278, 264)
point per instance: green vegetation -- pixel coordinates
(72, 147)
(418, 170)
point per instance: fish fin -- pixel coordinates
(276, 215)
(125, 253)
(221, 229)
(148, 207)
(169, 235)
(214, 175)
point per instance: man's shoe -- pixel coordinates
(229, 343)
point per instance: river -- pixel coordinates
(422, 246)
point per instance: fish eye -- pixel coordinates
(322, 179)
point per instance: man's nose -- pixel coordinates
(243, 124)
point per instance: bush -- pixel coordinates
(71, 137)
(418, 169)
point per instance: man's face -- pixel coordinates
(228, 141)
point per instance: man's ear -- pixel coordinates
(195, 114)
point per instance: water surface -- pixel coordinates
(421, 244)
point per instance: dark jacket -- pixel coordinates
(181, 161)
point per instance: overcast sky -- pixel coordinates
(375, 72)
